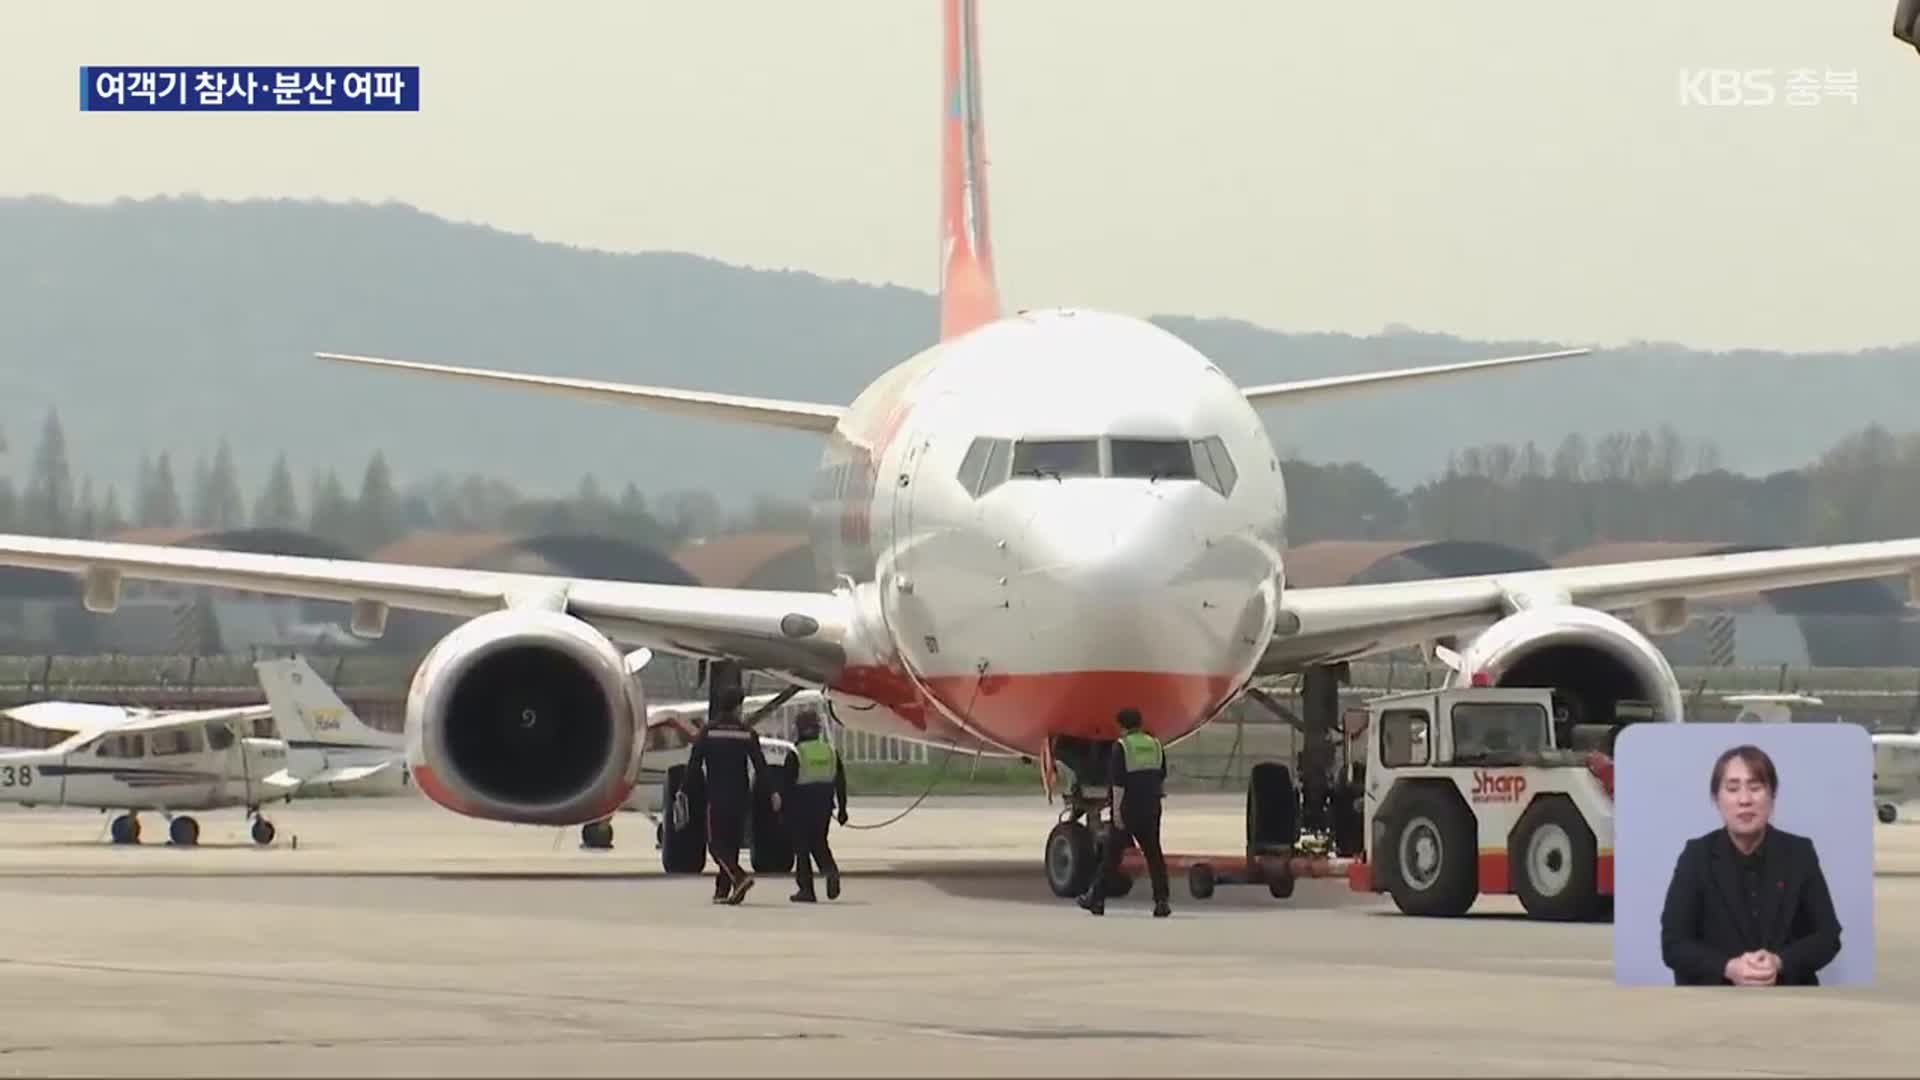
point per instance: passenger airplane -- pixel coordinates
(1040, 519)
(115, 758)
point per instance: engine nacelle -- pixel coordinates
(1592, 658)
(528, 717)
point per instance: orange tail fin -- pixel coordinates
(968, 293)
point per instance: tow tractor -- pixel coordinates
(1466, 792)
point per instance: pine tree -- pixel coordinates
(48, 508)
(218, 503)
(377, 514)
(277, 507)
(86, 512)
(332, 515)
(111, 519)
(199, 494)
(159, 503)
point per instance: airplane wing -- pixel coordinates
(71, 717)
(797, 633)
(162, 721)
(767, 412)
(668, 712)
(1322, 625)
(1331, 385)
(347, 773)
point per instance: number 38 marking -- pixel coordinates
(16, 776)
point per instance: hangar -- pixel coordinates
(567, 554)
(40, 610)
(1371, 562)
(765, 560)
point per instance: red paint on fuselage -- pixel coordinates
(1023, 711)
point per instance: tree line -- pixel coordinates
(1647, 485)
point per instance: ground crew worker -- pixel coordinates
(726, 747)
(1138, 778)
(816, 779)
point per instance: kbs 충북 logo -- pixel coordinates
(1498, 787)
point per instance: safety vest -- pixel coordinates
(816, 761)
(1143, 752)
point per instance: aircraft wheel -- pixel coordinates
(262, 831)
(1200, 880)
(1120, 884)
(183, 832)
(126, 829)
(683, 848)
(1070, 859)
(1888, 812)
(597, 834)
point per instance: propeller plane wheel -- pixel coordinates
(262, 831)
(126, 829)
(183, 831)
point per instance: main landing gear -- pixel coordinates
(183, 830)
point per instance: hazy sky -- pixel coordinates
(1491, 168)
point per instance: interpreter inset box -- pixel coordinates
(1743, 855)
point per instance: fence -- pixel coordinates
(1882, 699)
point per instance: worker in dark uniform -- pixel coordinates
(1139, 774)
(815, 780)
(725, 748)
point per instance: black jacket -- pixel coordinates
(1709, 919)
(726, 751)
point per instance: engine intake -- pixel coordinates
(526, 716)
(1594, 660)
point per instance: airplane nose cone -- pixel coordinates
(1119, 582)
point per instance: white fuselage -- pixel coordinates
(1025, 607)
(136, 774)
(1896, 767)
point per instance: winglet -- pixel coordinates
(969, 296)
(1337, 384)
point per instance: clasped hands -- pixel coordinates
(1756, 968)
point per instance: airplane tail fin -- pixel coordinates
(969, 295)
(311, 716)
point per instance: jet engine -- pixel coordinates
(1592, 660)
(526, 716)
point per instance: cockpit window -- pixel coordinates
(1153, 459)
(1056, 458)
(974, 464)
(1215, 466)
(985, 466)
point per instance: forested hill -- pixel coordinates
(169, 324)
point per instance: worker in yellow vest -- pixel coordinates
(816, 780)
(1139, 774)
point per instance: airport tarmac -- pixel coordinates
(397, 938)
